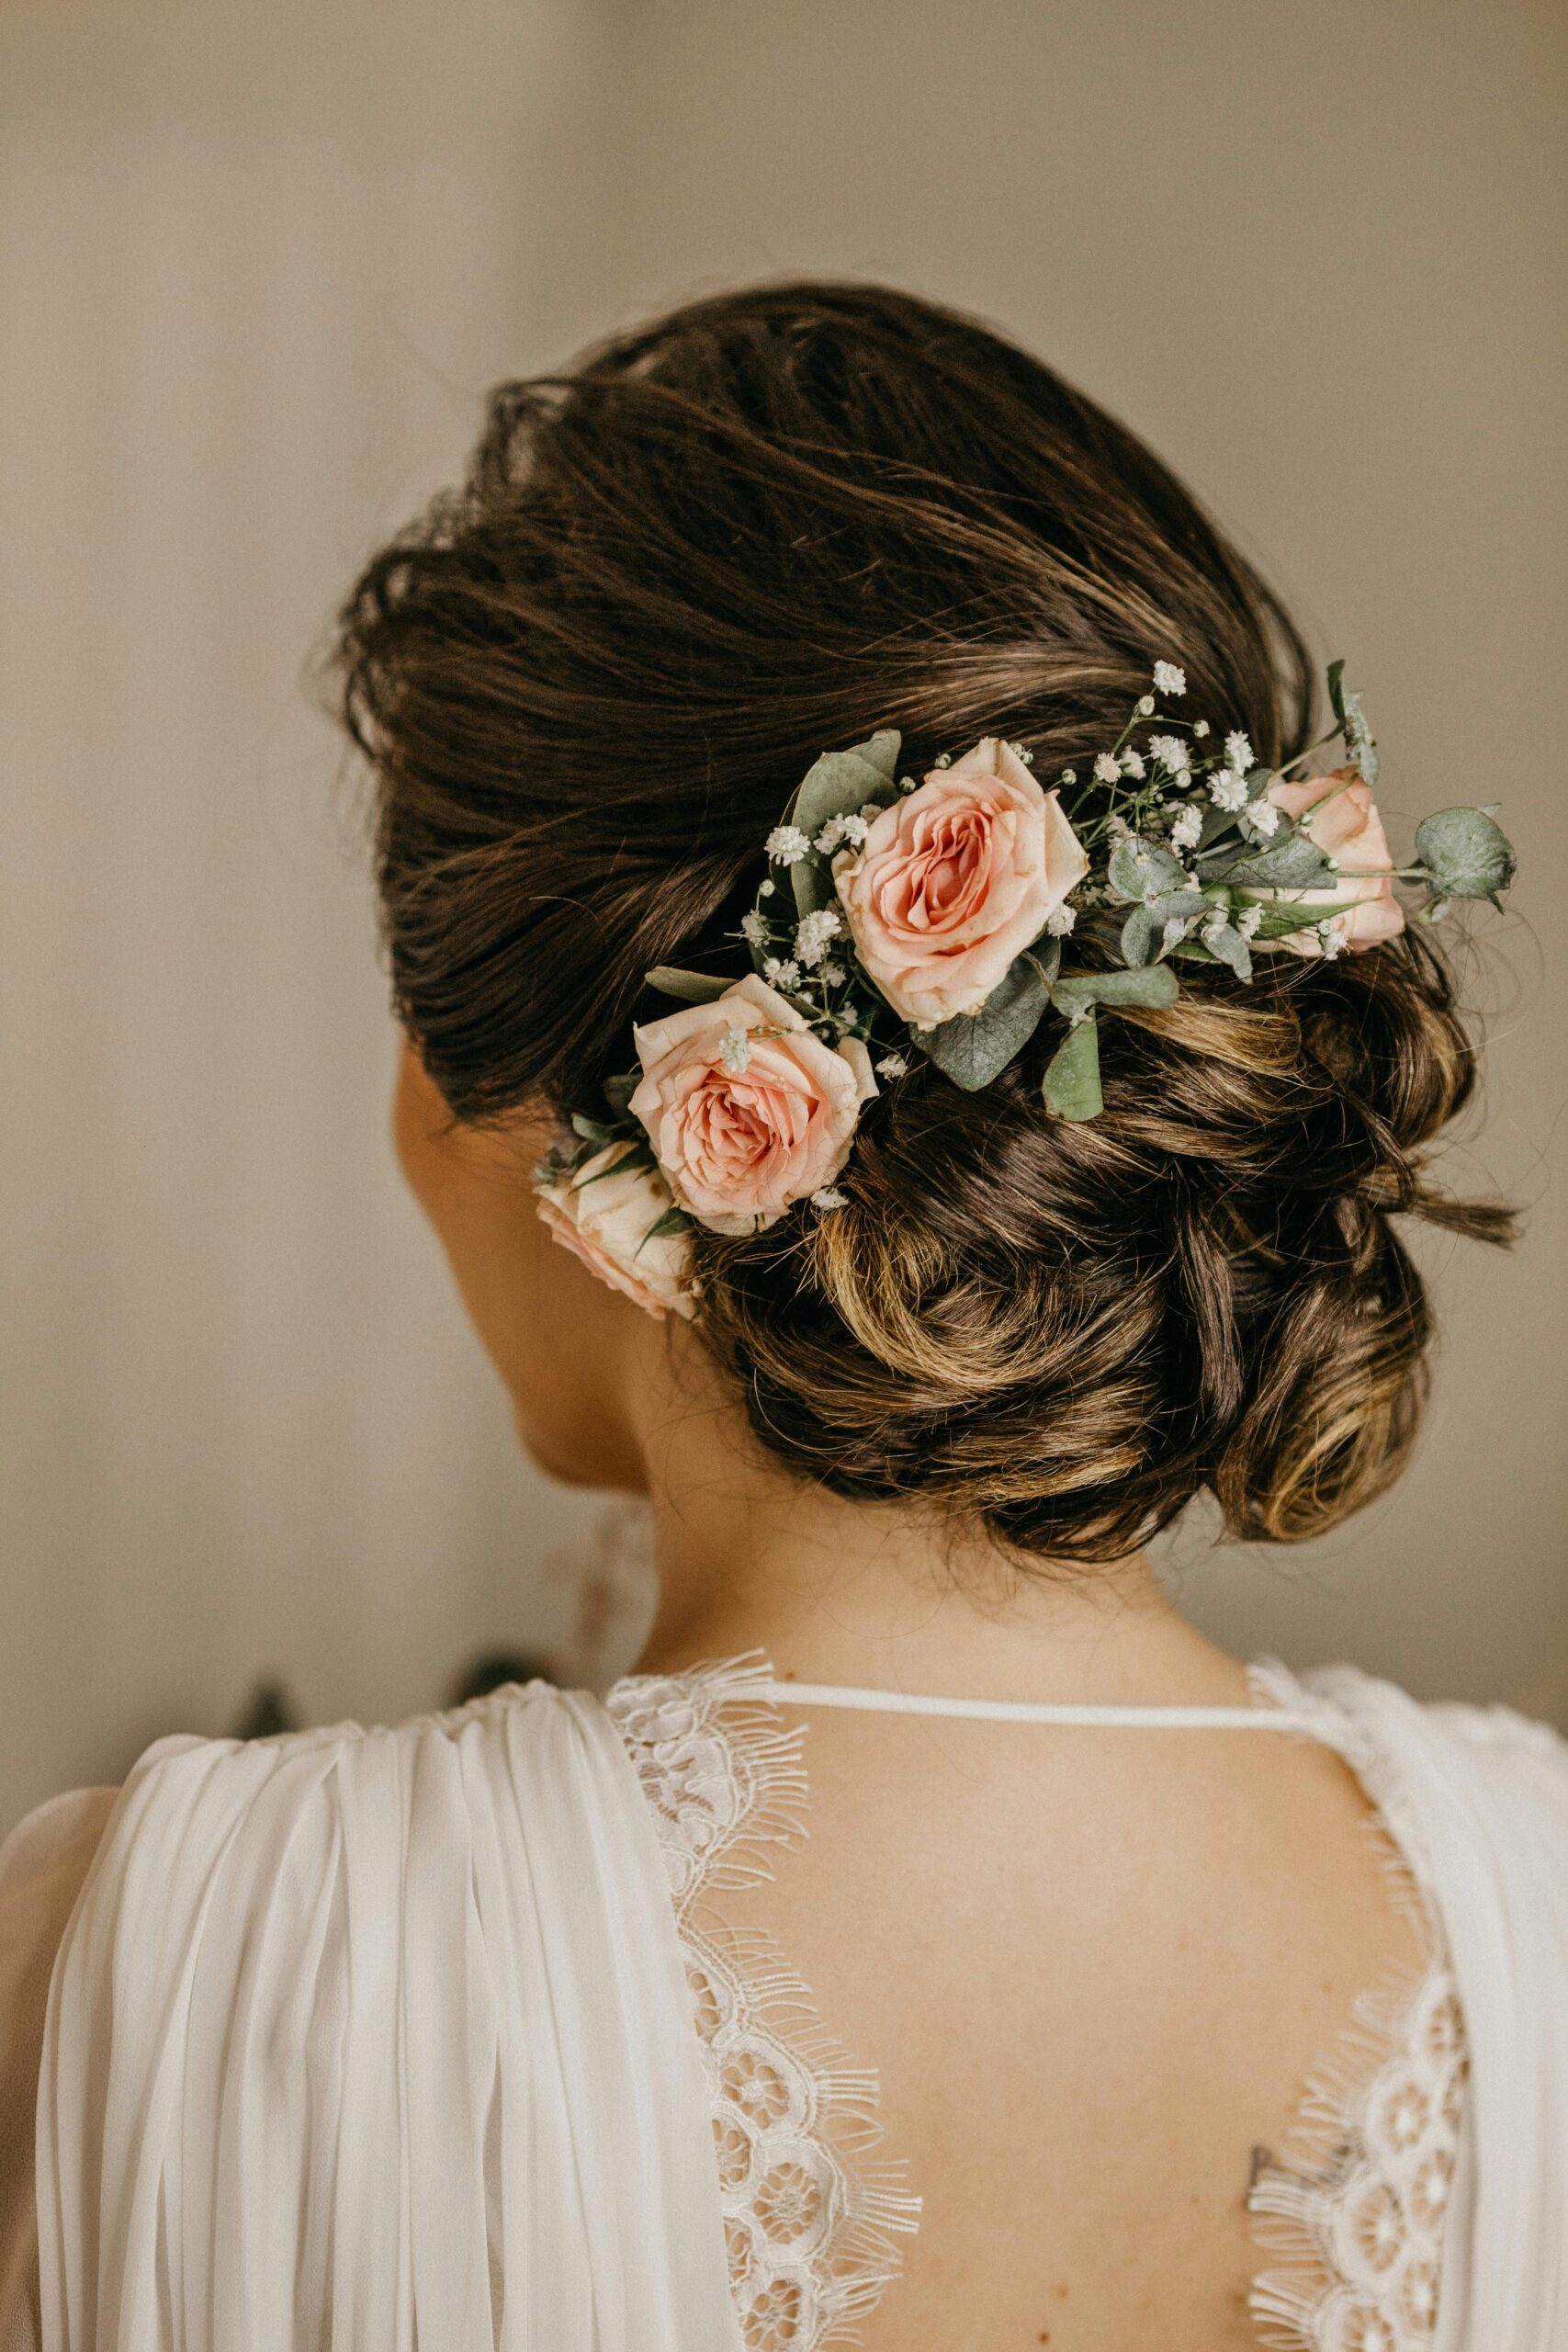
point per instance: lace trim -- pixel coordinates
(810, 2223)
(1357, 2212)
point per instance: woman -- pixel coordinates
(1004, 1151)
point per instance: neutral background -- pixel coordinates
(257, 266)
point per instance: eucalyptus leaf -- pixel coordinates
(591, 1130)
(1337, 690)
(1140, 869)
(1046, 956)
(974, 1048)
(691, 988)
(1071, 1085)
(811, 879)
(1141, 936)
(619, 1090)
(840, 783)
(1154, 986)
(1466, 853)
(1226, 945)
(1178, 905)
(1193, 951)
(1294, 863)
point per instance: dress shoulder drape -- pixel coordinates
(376, 2041)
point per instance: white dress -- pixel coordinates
(375, 2041)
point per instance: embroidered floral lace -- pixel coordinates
(1354, 2210)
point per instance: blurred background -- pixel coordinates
(257, 265)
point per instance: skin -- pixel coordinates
(1093, 1968)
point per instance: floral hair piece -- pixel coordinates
(931, 916)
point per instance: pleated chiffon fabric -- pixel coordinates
(380, 2039)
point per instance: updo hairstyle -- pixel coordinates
(587, 682)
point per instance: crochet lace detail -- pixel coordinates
(1359, 2213)
(1356, 2212)
(809, 2221)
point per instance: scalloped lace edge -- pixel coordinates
(1296, 2200)
(837, 2284)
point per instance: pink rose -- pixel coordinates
(1346, 826)
(748, 1111)
(605, 1219)
(953, 882)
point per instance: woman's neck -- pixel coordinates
(837, 1591)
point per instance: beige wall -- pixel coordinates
(255, 267)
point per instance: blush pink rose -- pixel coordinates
(1345, 825)
(746, 1109)
(605, 1212)
(955, 881)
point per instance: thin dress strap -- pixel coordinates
(1022, 1711)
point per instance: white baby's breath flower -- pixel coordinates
(942, 760)
(1332, 934)
(1169, 679)
(1069, 775)
(735, 1050)
(1060, 921)
(782, 971)
(831, 834)
(835, 975)
(1107, 767)
(753, 929)
(1133, 765)
(1239, 751)
(1147, 706)
(1227, 790)
(1262, 820)
(766, 890)
(857, 828)
(1247, 923)
(1188, 828)
(812, 933)
(1119, 830)
(1200, 727)
(1172, 754)
(1213, 926)
(892, 1066)
(828, 1197)
(787, 844)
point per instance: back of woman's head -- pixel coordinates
(764, 527)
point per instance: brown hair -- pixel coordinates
(764, 526)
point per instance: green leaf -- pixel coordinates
(691, 988)
(1193, 951)
(672, 1221)
(619, 1090)
(840, 783)
(1281, 917)
(974, 1048)
(1178, 905)
(1140, 869)
(1226, 945)
(1071, 1086)
(1466, 853)
(1294, 863)
(1141, 936)
(1337, 690)
(591, 1130)
(635, 1155)
(1154, 986)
